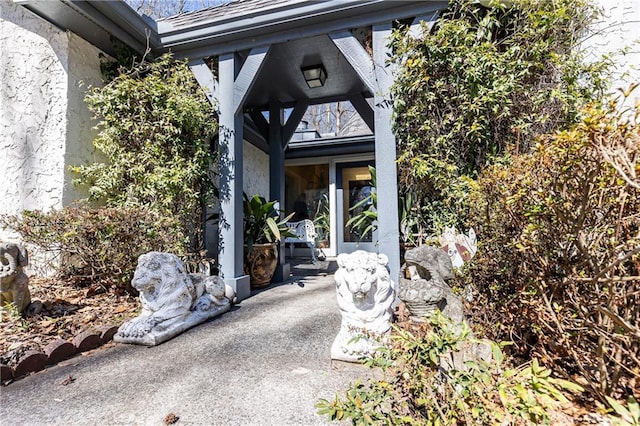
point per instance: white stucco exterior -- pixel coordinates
(618, 29)
(255, 171)
(44, 124)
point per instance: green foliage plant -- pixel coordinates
(482, 85)
(154, 144)
(365, 218)
(627, 416)
(558, 270)
(262, 223)
(322, 218)
(96, 246)
(415, 390)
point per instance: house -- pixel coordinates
(263, 50)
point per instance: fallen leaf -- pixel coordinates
(68, 380)
(170, 419)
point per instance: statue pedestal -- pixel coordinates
(163, 332)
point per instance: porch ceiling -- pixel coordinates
(281, 79)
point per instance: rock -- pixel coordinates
(86, 341)
(6, 373)
(59, 350)
(34, 308)
(106, 332)
(32, 361)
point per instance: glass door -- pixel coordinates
(354, 189)
(307, 196)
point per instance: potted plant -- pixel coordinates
(321, 220)
(262, 232)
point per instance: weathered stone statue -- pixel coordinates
(423, 288)
(172, 300)
(365, 294)
(14, 283)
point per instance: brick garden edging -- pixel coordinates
(57, 351)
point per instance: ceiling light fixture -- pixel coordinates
(314, 75)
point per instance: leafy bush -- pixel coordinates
(485, 82)
(156, 126)
(97, 245)
(558, 270)
(417, 391)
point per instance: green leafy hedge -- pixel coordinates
(484, 83)
(156, 129)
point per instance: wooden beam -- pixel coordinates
(364, 109)
(387, 182)
(206, 79)
(260, 122)
(247, 76)
(416, 28)
(357, 56)
(292, 122)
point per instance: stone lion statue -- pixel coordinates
(172, 300)
(14, 283)
(365, 295)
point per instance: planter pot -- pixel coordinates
(261, 264)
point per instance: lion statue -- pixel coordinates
(14, 283)
(172, 300)
(365, 295)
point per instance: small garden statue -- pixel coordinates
(423, 287)
(172, 300)
(365, 294)
(423, 290)
(14, 283)
(460, 248)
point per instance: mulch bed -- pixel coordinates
(83, 318)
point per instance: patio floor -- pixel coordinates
(266, 362)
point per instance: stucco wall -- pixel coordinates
(84, 72)
(618, 29)
(44, 125)
(256, 171)
(33, 100)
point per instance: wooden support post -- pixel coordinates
(385, 145)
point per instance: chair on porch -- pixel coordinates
(305, 233)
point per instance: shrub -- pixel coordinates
(156, 127)
(558, 269)
(97, 245)
(485, 82)
(417, 391)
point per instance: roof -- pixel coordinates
(226, 11)
(245, 24)
(297, 33)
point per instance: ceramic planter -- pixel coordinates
(260, 264)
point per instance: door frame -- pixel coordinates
(337, 244)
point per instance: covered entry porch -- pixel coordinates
(251, 58)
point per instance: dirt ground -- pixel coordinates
(66, 312)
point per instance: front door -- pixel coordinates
(353, 195)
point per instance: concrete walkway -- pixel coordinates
(266, 362)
